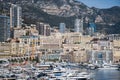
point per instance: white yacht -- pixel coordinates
(4, 62)
(17, 69)
(81, 76)
(108, 66)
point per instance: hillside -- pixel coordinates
(111, 15)
(56, 11)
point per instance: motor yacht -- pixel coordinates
(108, 66)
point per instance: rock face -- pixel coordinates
(63, 8)
(98, 19)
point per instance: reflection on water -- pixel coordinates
(107, 75)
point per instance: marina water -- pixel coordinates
(106, 74)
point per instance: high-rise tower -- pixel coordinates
(15, 16)
(78, 25)
(4, 28)
(44, 29)
(62, 27)
(92, 28)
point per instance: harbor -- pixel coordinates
(59, 40)
(58, 71)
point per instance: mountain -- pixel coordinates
(111, 15)
(56, 11)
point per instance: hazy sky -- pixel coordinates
(101, 3)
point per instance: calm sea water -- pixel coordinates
(106, 75)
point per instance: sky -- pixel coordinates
(101, 3)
